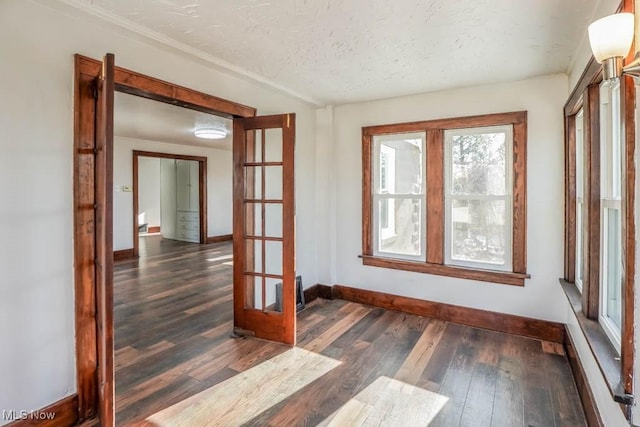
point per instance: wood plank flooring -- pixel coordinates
(173, 321)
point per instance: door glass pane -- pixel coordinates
(273, 257)
(253, 219)
(253, 256)
(478, 163)
(479, 231)
(273, 182)
(254, 146)
(273, 145)
(273, 219)
(273, 294)
(400, 226)
(253, 182)
(253, 286)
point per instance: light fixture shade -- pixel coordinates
(611, 36)
(210, 133)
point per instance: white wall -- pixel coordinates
(543, 98)
(37, 354)
(149, 189)
(219, 186)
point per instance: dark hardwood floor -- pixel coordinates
(172, 309)
(173, 315)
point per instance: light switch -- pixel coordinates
(126, 188)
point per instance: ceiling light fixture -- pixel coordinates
(611, 38)
(210, 133)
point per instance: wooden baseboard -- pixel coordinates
(582, 383)
(123, 254)
(217, 239)
(153, 229)
(317, 291)
(63, 413)
(500, 322)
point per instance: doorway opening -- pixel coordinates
(169, 198)
(95, 85)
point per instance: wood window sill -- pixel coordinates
(603, 351)
(501, 277)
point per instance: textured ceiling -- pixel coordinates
(337, 51)
(141, 118)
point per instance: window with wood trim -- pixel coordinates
(447, 197)
(600, 221)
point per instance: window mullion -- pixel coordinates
(435, 196)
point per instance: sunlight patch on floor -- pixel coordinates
(246, 395)
(218, 258)
(388, 402)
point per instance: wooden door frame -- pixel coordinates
(202, 192)
(86, 71)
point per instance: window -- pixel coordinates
(610, 213)
(600, 247)
(447, 197)
(478, 197)
(579, 254)
(398, 195)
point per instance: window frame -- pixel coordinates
(617, 371)
(434, 212)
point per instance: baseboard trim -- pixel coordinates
(222, 238)
(500, 322)
(63, 413)
(123, 254)
(317, 291)
(153, 229)
(582, 383)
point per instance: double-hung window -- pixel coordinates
(447, 197)
(610, 212)
(478, 184)
(580, 177)
(398, 195)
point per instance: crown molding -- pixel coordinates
(104, 15)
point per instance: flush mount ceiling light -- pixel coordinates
(611, 38)
(208, 126)
(210, 132)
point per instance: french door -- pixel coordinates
(264, 227)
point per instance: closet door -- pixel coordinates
(187, 201)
